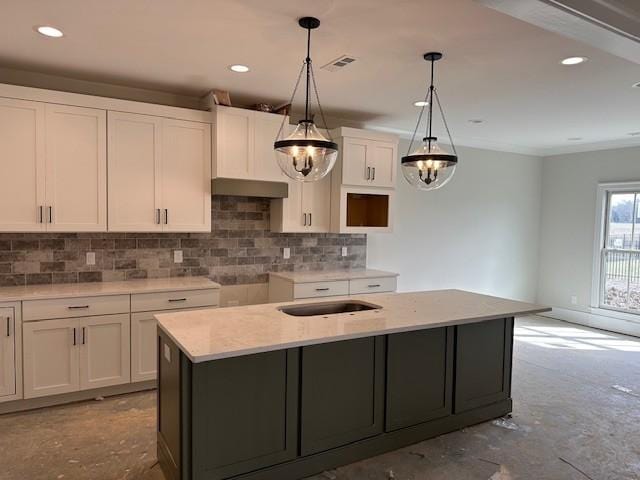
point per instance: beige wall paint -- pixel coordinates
(480, 232)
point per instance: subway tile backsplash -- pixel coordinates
(240, 249)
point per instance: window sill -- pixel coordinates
(606, 312)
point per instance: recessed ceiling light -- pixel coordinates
(49, 31)
(420, 103)
(476, 121)
(574, 139)
(239, 68)
(636, 85)
(573, 60)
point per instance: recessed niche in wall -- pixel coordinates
(367, 210)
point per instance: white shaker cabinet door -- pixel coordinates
(234, 143)
(134, 163)
(383, 164)
(22, 166)
(144, 346)
(186, 176)
(76, 166)
(104, 351)
(316, 203)
(51, 355)
(267, 126)
(7, 352)
(356, 155)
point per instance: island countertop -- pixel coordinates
(205, 335)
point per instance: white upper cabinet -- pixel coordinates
(22, 151)
(244, 144)
(134, 172)
(76, 169)
(159, 174)
(307, 209)
(186, 176)
(366, 158)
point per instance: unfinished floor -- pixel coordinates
(576, 416)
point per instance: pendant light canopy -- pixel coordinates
(306, 155)
(430, 167)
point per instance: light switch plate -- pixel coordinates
(574, 300)
(177, 256)
(167, 352)
(286, 252)
(91, 258)
(344, 251)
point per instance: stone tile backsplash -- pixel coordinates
(240, 249)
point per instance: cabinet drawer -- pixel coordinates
(321, 289)
(372, 285)
(74, 307)
(144, 302)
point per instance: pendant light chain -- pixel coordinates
(307, 61)
(295, 89)
(444, 120)
(430, 119)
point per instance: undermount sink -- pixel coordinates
(328, 308)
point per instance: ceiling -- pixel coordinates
(496, 68)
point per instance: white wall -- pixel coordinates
(569, 186)
(480, 232)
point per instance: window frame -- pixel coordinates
(601, 231)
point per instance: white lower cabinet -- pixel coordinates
(68, 355)
(8, 363)
(51, 357)
(104, 351)
(144, 346)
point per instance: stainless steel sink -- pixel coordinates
(328, 308)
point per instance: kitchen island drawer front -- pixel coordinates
(321, 289)
(180, 300)
(372, 285)
(342, 393)
(74, 307)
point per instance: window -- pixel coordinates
(619, 249)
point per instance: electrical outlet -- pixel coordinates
(177, 256)
(91, 258)
(344, 251)
(286, 252)
(574, 300)
(233, 303)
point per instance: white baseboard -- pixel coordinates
(596, 320)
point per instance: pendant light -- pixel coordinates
(430, 167)
(306, 155)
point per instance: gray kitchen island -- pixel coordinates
(283, 391)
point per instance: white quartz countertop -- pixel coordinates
(332, 275)
(230, 332)
(71, 290)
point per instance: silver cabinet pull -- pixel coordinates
(374, 173)
(166, 216)
(374, 286)
(78, 307)
(8, 326)
(75, 342)
(368, 173)
(158, 216)
(309, 219)
(84, 335)
(325, 289)
(50, 214)
(177, 300)
(304, 215)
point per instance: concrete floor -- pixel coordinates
(576, 416)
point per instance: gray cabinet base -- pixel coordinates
(313, 464)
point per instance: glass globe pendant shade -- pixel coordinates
(429, 167)
(306, 155)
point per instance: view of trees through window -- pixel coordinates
(621, 255)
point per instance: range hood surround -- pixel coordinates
(249, 188)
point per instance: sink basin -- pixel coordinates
(328, 308)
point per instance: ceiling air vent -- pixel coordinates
(339, 63)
